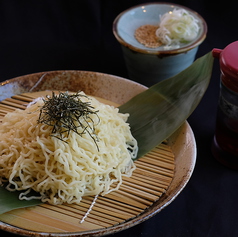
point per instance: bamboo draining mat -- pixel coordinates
(149, 181)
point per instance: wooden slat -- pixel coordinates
(148, 183)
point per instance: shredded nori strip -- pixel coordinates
(67, 112)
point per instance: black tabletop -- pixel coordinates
(53, 35)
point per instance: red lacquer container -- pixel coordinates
(225, 143)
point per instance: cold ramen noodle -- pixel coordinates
(65, 147)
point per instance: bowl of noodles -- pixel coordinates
(102, 190)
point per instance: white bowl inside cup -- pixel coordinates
(129, 20)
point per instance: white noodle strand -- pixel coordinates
(30, 158)
(89, 210)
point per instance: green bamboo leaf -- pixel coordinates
(158, 112)
(154, 114)
(10, 201)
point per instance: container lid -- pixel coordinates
(228, 58)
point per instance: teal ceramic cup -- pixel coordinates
(151, 65)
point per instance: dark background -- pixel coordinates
(52, 35)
